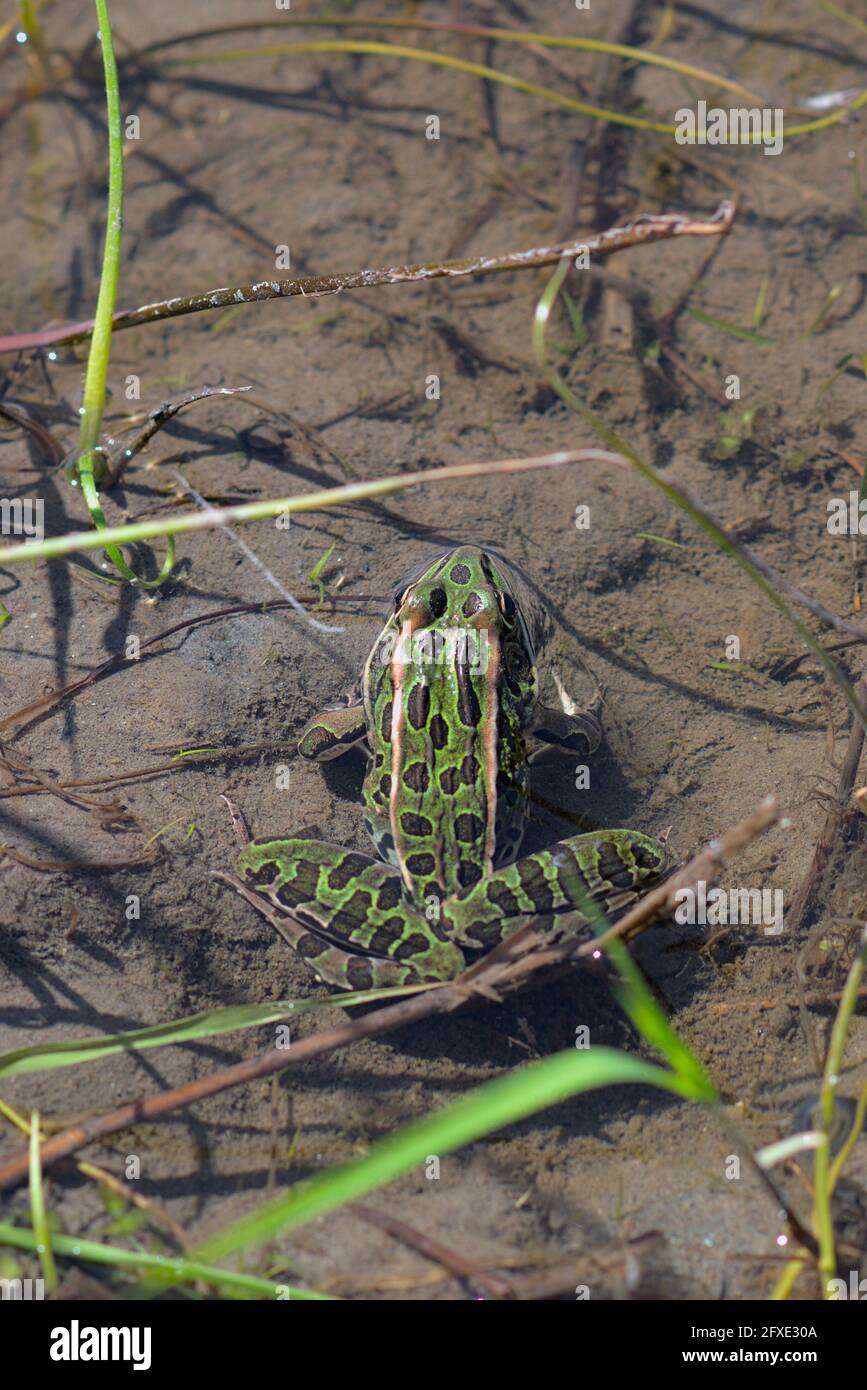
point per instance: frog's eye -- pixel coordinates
(507, 606)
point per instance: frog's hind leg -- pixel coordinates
(610, 868)
(344, 913)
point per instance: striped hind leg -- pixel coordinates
(609, 869)
(345, 914)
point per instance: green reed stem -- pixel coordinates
(259, 511)
(38, 1217)
(89, 463)
(93, 402)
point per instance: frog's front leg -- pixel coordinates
(332, 732)
(345, 914)
(566, 734)
(612, 868)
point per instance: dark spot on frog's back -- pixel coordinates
(418, 706)
(414, 945)
(303, 884)
(468, 873)
(469, 770)
(501, 895)
(416, 777)
(469, 828)
(439, 732)
(459, 574)
(534, 884)
(355, 910)
(388, 896)
(262, 877)
(412, 824)
(450, 780)
(468, 701)
(421, 865)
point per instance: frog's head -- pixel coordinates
(465, 587)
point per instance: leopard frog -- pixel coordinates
(447, 708)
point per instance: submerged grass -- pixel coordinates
(177, 1268)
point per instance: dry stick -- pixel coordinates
(110, 781)
(505, 970)
(78, 866)
(382, 1021)
(125, 453)
(641, 230)
(39, 785)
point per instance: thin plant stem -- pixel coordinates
(423, 55)
(89, 463)
(311, 502)
(481, 31)
(38, 1216)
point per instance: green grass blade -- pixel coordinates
(425, 55)
(485, 1109)
(50, 1056)
(41, 1233)
(746, 335)
(180, 1269)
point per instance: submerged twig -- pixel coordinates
(125, 453)
(642, 230)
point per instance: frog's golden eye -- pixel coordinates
(507, 606)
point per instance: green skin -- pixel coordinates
(447, 708)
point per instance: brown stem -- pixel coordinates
(642, 230)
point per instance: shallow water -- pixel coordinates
(327, 154)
